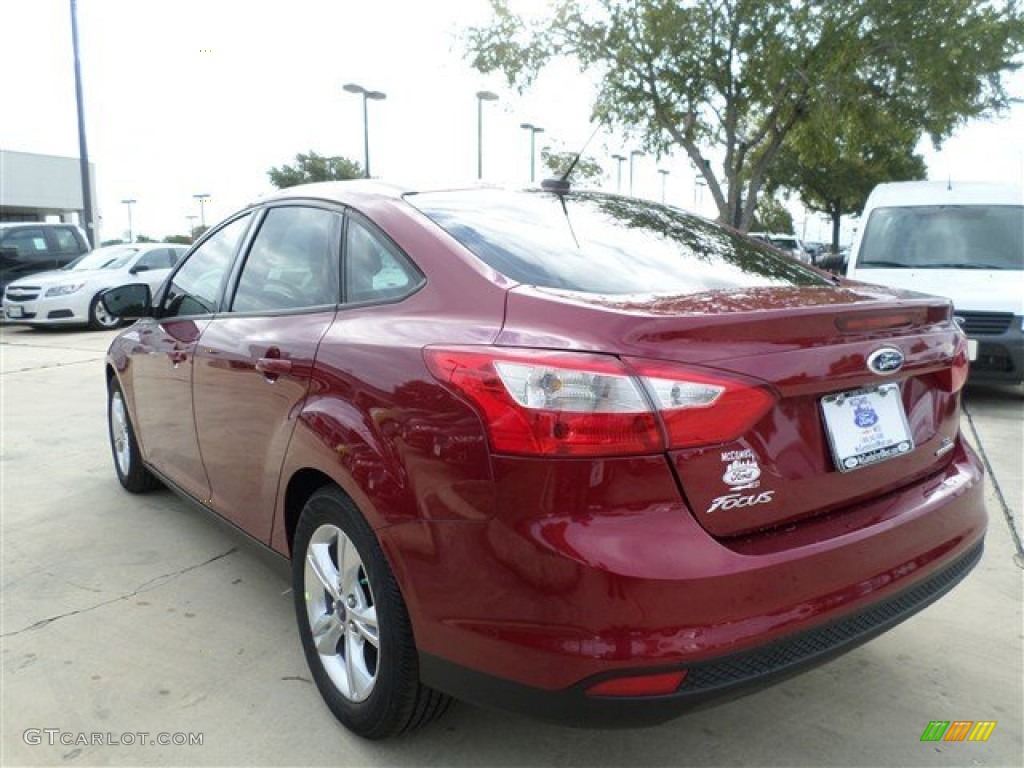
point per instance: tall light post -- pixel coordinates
(619, 160)
(191, 219)
(534, 130)
(664, 175)
(632, 156)
(481, 97)
(202, 198)
(88, 215)
(367, 96)
(129, 203)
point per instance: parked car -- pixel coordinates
(30, 246)
(581, 456)
(958, 240)
(70, 296)
(835, 262)
(789, 243)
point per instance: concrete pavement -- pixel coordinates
(126, 614)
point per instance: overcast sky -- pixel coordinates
(204, 96)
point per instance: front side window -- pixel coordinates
(292, 263)
(375, 270)
(160, 258)
(604, 244)
(195, 288)
(944, 237)
(25, 242)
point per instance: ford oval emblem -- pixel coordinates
(886, 361)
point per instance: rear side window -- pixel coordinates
(375, 270)
(944, 237)
(604, 244)
(66, 241)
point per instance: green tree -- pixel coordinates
(734, 78)
(312, 167)
(178, 239)
(144, 239)
(834, 161)
(772, 216)
(558, 161)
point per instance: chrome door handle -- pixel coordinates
(273, 366)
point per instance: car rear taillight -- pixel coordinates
(540, 402)
(954, 378)
(700, 408)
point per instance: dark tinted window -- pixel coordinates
(26, 242)
(159, 258)
(604, 244)
(374, 269)
(66, 240)
(196, 286)
(944, 237)
(292, 263)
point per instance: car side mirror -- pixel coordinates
(138, 268)
(128, 302)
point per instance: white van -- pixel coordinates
(963, 241)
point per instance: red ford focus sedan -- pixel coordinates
(566, 453)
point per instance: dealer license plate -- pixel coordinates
(14, 311)
(866, 426)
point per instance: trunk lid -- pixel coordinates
(803, 344)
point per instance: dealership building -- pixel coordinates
(43, 188)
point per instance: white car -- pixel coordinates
(69, 296)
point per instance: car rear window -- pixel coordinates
(605, 244)
(944, 237)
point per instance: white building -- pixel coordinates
(44, 188)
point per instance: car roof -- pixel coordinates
(6, 224)
(905, 193)
(355, 191)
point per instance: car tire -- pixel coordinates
(99, 318)
(363, 657)
(131, 472)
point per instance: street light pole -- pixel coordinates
(83, 151)
(664, 176)
(632, 156)
(191, 219)
(129, 204)
(202, 198)
(619, 159)
(481, 97)
(534, 130)
(367, 95)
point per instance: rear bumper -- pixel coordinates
(707, 682)
(576, 580)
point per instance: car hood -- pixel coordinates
(64, 276)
